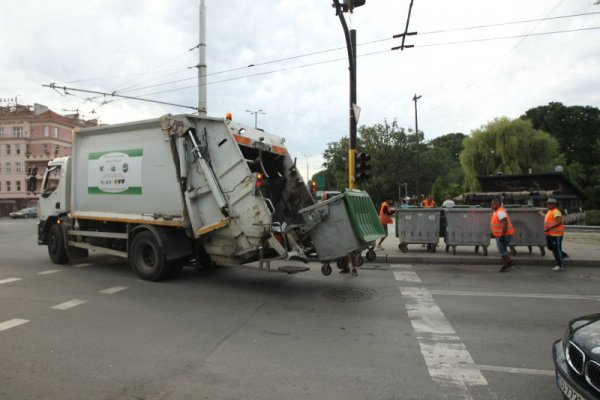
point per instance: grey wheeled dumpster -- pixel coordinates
(345, 224)
(467, 227)
(418, 225)
(529, 228)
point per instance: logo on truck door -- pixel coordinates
(115, 172)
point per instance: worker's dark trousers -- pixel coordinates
(554, 243)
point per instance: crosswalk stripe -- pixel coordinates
(12, 323)
(9, 280)
(68, 304)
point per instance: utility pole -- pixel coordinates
(202, 69)
(350, 36)
(415, 98)
(256, 116)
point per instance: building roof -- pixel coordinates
(554, 182)
(39, 113)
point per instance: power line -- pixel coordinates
(374, 53)
(365, 44)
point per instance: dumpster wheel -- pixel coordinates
(403, 247)
(513, 250)
(542, 250)
(358, 260)
(342, 263)
(485, 252)
(326, 269)
(371, 255)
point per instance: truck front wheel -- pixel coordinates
(56, 245)
(147, 258)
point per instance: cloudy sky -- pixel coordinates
(472, 61)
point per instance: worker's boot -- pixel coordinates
(505, 263)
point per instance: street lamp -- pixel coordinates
(256, 116)
(307, 175)
(415, 98)
(400, 190)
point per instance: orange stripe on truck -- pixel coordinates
(242, 140)
(279, 150)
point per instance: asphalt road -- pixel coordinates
(93, 330)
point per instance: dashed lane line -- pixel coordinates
(114, 289)
(9, 280)
(50, 271)
(510, 370)
(68, 304)
(12, 323)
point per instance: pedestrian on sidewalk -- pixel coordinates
(429, 202)
(554, 229)
(448, 203)
(385, 217)
(503, 231)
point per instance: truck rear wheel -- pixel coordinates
(147, 258)
(56, 245)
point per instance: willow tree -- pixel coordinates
(509, 147)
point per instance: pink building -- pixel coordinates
(29, 138)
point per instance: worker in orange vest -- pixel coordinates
(554, 229)
(385, 217)
(429, 202)
(503, 231)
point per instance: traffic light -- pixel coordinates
(350, 5)
(313, 187)
(362, 169)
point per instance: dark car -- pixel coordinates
(577, 359)
(29, 212)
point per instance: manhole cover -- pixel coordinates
(348, 294)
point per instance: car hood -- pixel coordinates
(585, 332)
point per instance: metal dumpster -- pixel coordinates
(467, 227)
(529, 228)
(418, 225)
(345, 224)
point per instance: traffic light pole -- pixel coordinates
(351, 47)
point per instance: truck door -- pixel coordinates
(53, 194)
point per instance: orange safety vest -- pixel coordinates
(497, 225)
(383, 217)
(550, 220)
(428, 204)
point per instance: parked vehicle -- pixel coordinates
(29, 212)
(577, 359)
(164, 191)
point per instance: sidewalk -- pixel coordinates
(583, 249)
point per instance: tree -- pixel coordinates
(509, 147)
(577, 130)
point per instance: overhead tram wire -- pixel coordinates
(360, 44)
(371, 54)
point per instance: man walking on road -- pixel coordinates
(554, 230)
(385, 217)
(503, 231)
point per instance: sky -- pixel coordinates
(472, 61)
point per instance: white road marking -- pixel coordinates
(114, 289)
(50, 271)
(515, 295)
(445, 355)
(401, 266)
(12, 323)
(68, 304)
(510, 370)
(9, 280)
(407, 276)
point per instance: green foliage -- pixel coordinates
(577, 130)
(509, 147)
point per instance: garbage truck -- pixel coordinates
(168, 191)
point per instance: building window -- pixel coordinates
(7, 168)
(18, 185)
(56, 132)
(17, 149)
(18, 131)
(46, 131)
(8, 186)
(18, 167)
(45, 148)
(7, 150)
(1, 131)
